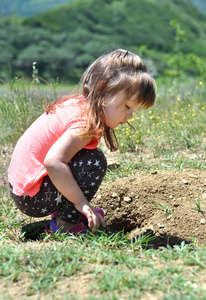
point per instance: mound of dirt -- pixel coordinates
(169, 205)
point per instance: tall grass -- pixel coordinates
(175, 122)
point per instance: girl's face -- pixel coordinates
(118, 110)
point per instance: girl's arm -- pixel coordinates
(56, 164)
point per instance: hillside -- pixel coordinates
(129, 22)
(63, 41)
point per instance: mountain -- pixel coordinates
(170, 35)
(27, 8)
(154, 23)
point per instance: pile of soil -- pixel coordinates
(170, 205)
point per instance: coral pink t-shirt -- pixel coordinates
(26, 170)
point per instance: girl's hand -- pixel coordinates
(93, 217)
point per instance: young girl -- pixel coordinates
(56, 167)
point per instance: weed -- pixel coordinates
(198, 205)
(166, 210)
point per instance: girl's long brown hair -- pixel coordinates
(117, 72)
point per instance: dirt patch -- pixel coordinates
(169, 205)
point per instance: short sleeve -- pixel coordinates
(93, 144)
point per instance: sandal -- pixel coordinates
(80, 228)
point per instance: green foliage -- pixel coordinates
(65, 40)
(20, 105)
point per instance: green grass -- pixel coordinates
(117, 268)
(106, 266)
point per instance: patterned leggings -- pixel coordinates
(88, 168)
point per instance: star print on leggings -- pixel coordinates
(81, 174)
(48, 195)
(97, 163)
(82, 184)
(43, 210)
(89, 162)
(58, 198)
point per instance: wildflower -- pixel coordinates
(193, 115)
(148, 130)
(137, 141)
(150, 112)
(189, 105)
(203, 108)
(178, 99)
(200, 83)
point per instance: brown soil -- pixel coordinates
(169, 205)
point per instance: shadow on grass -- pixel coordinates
(148, 240)
(159, 241)
(34, 231)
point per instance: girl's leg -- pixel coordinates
(88, 168)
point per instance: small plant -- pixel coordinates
(198, 206)
(165, 209)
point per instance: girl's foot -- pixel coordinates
(64, 225)
(69, 228)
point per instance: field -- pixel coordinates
(154, 197)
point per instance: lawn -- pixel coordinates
(121, 262)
